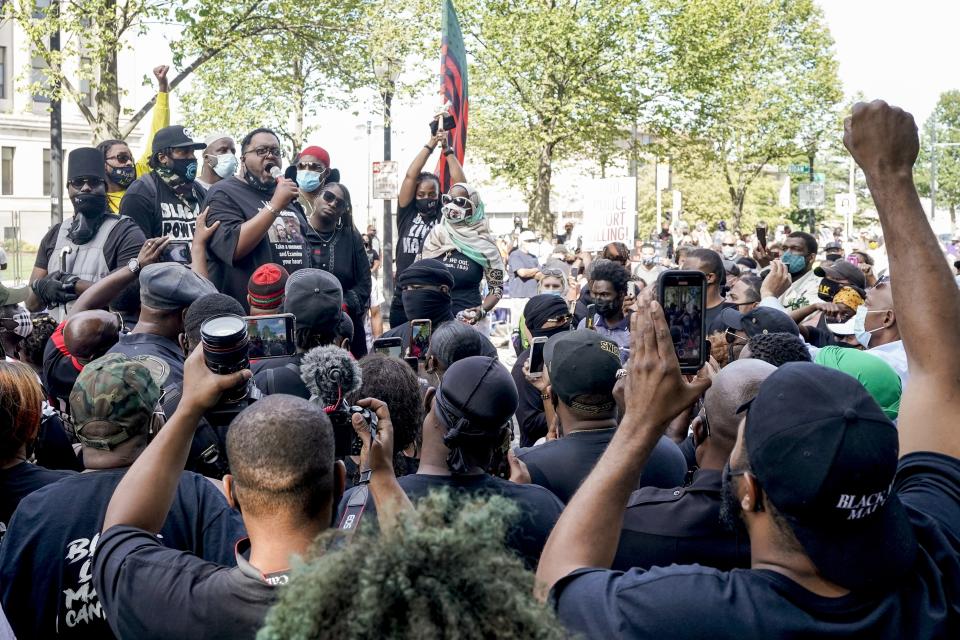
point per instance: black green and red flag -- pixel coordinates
(453, 79)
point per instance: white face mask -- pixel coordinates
(226, 164)
(860, 331)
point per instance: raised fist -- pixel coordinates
(882, 139)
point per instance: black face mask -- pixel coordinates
(90, 205)
(186, 168)
(427, 206)
(547, 333)
(123, 176)
(257, 183)
(427, 303)
(828, 289)
(609, 308)
(83, 229)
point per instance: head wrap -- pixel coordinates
(848, 296)
(429, 271)
(471, 237)
(541, 308)
(877, 377)
(474, 404)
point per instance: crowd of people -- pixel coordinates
(214, 426)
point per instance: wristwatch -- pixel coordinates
(133, 265)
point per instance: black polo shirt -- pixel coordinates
(680, 526)
(162, 356)
(151, 591)
(562, 464)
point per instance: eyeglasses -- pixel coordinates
(122, 158)
(561, 319)
(263, 152)
(732, 337)
(459, 201)
(319, 167)
(331, 198)
(78, 183)
(552, 273)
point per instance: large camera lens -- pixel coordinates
(225, 345)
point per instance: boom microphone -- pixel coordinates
(330, 373)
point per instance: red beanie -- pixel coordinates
(316, 152)
(266, 286)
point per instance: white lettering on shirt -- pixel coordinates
(81, 605)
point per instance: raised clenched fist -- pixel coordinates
(882, 139)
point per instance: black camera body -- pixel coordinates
(371, 419)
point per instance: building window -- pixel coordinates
(47, 181)
(38, 77)
(6, 170)
(85, 90)
(3, 73)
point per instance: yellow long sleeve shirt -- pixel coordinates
(161, 119)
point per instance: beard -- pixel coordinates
(730, 510)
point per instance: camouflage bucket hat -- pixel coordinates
(113, 390)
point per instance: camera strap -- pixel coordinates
(355, 508)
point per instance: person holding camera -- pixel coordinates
(46, 559)
(166, 201)
(83, 249)
(284, 483)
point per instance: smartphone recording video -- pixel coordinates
(271, 336)
(392, 347)
(683, 296)
(177, 251)
(419, 338)
(536, 356)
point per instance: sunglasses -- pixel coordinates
(319, 167)
(263, 152)
(459, 201)
(122, 158)
(552, 273)
(562, 319)
(78, 183)
(331, 198)
(732, 337)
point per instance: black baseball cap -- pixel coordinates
(759, 320)
(582, 363)
(832, 246)
(314, 297)
(841, 269)
(826, 456)
(175, 136)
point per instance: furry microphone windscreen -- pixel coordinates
(330, 373)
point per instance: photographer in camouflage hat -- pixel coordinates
(47, 554)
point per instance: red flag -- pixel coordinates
(453, 78)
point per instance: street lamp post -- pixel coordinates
(387, 70)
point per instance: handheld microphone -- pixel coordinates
(330, 374)
(276, 172)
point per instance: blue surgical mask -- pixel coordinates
(860, 331)
(309, 181)
(552, 293)
(226, 165)
(795, 262)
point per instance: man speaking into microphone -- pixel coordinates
(260, 221)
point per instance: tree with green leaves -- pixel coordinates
(942, 129)
(552, 79)
(97, 33)
(754, 82)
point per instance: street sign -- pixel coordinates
(845, 204)
(799, 168)
(819, 177)
(811, 195)
(385, 182)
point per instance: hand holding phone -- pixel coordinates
(271, 336)
(420, 331)
(536, 357)
(682, 295)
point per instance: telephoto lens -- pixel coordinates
(225, 344)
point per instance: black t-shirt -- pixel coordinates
(467, 276)
(280, 375)
(123, 244)
(690, 601)
(232, 201)
(158, 211)
(151, 591)
(711, 317)
(46, 559)
(162, 356)
(680, 525)
(539, 509)
(562, 464)
(21, 480)
(412, 229)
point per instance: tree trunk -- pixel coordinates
(107, 97)
(540, 216)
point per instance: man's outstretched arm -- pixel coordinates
(883, 140)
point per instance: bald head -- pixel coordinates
(736, 384)
(90, 334)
